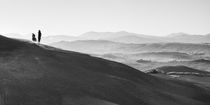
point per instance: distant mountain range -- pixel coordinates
(127, 37)
(187, 38)
(124, 37)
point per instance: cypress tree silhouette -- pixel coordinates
(39, 36)
(33, 37)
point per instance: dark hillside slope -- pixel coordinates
(40, 75)
(7, 44)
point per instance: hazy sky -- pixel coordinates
(74, 17)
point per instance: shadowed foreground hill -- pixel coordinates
(41, 75)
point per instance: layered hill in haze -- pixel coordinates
(58, 38)
(33, 74)
(102, 46)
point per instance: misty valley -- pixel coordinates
(141, 55)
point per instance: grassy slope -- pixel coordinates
(33, 75)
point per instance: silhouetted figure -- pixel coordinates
(39, 36)
(33, 37)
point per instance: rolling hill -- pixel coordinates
(32, 74)
(103, 46)
(179, 70)
(183, 73)
(58, 38)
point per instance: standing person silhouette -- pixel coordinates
(39, 36)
